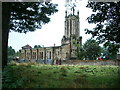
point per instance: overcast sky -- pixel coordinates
(53, 31)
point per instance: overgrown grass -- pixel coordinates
(60, 76)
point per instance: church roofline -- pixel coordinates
(42, 47)
(52, 47)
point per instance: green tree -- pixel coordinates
(109, 52)
(35, 46)
(11, 51)
(23, 17)
(79, 51)
(107, 20)
(92, 50)
(17, 54)
(39, 46)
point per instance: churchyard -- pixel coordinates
(32, 75)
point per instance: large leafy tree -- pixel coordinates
(23, 17)
(89, 50)
(92, 50)
(107, 20)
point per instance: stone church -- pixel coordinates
(64, 52)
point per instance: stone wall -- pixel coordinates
(92, 62)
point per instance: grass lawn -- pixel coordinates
(60, 76)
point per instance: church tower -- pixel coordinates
(72, 31)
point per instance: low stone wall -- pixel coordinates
(92, 62)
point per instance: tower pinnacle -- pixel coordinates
(71, 6)
(66, 13)
(73, 10)
(78, 13)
